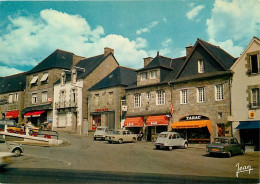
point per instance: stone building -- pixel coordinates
(12, 96)
(245, 94)
(71, 91)
(39, 85)
(107, 98)
(201, 93)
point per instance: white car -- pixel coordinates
(11, 147)
(170, 140)
(100, 133)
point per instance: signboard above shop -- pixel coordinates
(194, 118)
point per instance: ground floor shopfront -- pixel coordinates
(102, 117)
(13, 115)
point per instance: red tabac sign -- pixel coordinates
(100, 110)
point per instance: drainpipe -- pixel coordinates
(169, 83)
(230, 104)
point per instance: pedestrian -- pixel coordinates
(140, 135)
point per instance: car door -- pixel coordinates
(174, 140)
(124, 136)
(179, 140)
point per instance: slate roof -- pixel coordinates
(58, 59)
(121, 76)
(13, 83)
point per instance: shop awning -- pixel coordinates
(134, 122)
(34, 114)
(248, 125)
(192, 124)
(12, 114)
(157, 120)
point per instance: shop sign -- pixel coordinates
(49, 99)
(130, 124)
(100, 110)
(124, 108)
(194, 118)
(154, 123)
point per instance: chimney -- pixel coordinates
(147, 61)
(188, 49)
(76, 59)
(108, 51)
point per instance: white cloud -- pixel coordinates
(31, 39)
(165, 20)
(194, 12)
(238, 19)
(147, 29)
(5, 71)
(166, 42)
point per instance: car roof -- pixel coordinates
(169, 133)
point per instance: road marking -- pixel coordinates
(68, 163)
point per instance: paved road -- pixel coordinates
(141, 157)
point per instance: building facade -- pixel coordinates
(246, 95)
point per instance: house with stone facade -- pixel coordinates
(38, 98)
(107, 98)
(12, 96)
(70, 107)
(201, 93)
(149, 100)
(245, 94)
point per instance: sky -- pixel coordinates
(32, 30)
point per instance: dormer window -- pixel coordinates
(254, 64)
(63, 78)
(34, 80)
(45, 77)
(153, 74)
(143, 76)
(74, 76)
(200, 66)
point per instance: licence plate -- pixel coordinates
(215, 149)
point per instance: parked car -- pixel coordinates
(169, 140)
(121, 136)
(12, 147)
(225, 145)
(5, 158)
(14, 129)
(100, 133)
(32, 128)
(7, 122)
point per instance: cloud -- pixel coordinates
(166, 42)
(238, 19)
(28, 40)
(165, 20)
(147, 29)
(194, 12)
(5, 71)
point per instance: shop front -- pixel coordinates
(134, 124)
(249, 132)
(102, 117)
(36, 117)
(195, 128)
(155, 125)
(12, 115)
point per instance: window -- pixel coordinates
(149, 95)
(200, 94)
(74, 76)
(34, 80)
(219, 92)
(255, 98)
(16, 97)
(73, 92)
(184, 99)
(63, 78)
(254, 64)
(44, 96)
(110, 97)
(200, 66)
(160, 98)
(10, 100)
(153, 74)
(34, 98)
(137, 100)
(96, 99)
(45, 77)
(62, 96)
(143, 76)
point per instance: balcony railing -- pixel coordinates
(62, 105)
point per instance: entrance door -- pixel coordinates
(221, 130)
(96, 122)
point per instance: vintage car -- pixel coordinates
(169, 140)
(11, 147)
(5, 158)
(100, 133)
(225, 145)
(121, 136)
(32, 128)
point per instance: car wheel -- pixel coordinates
(120, 141)
(95, 138)
(229, 154)
(211, 154)
(17, 152)
(170, 148)
(185, 146)
(243, 151)
(134, 140)
(109, 142)
(157, 147)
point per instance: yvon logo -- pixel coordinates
(243, 169)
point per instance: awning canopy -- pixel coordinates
(192, 124)
(134, 122)
(157, 120)
(12, 114)
(248, 125)
(34, 114)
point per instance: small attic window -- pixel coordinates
(63, 57)
(45, 77)
(74, 76)
(110, 76)
(3, 86)
(9, 84)
(63, 78)
(34, 79)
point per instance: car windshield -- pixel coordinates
(163, 135)
(223, 141)
(116, 132)
(101, 129)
